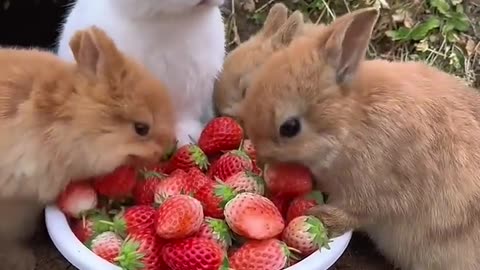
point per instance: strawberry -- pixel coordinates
(219, 135)
(301, 204)
(118, 184)
(217, 230)
(186, 157)
(141, 251)
(214, 196)
(253, 216)
(306, 234)
(178, 217)
(195, 253)
(249, 149)
(198, 179)
(282, 203)
(230, 163)
(107, 245)
(246, 181)
(271, 254)
(85, 229)
(144, 190)
(77, 199)
(288, 179)
(174, 184)
(134, 219)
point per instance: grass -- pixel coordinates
(443, 33)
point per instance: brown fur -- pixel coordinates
(395, 145)
(241, 64)
(63, 122)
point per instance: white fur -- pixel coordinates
(181, 41)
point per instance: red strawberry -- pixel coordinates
(271, 254)
(220, 134)
(282, 203)
(288, 179)
(306, 234)
(249, 149)
(144, 190)
(141, 251)
(118, 184)
(198, 179)
(178, 217)
(186, 157)
(214, 196)
(174, 184)
(253, 216)
(134, 219)
(77, 199)
(217, 230)
(300, 205)
(85, 229)
(246, 181)
(231, 163)
(195, 253)
(107, 245)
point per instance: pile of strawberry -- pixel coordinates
(208, 207)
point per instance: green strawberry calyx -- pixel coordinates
(170, 152)
(259, 181)
(199, 157)
(318, 231)
(225, 264)
(220, 229)
(224, 192)
(289, 252)
(130, 258)
(241, 154)
(151, 174)
(316, 196)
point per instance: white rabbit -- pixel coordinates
(182, 42)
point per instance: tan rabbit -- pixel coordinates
(395, 145)
(241, 63)
(65, 121)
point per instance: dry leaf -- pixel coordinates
(470, 47)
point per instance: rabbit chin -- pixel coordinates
(153, 8)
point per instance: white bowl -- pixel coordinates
(82, 258)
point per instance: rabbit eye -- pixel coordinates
(290, 128)
(141, 129)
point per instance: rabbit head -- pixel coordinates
(301, 104)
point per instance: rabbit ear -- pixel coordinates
(276, 17)
(287, 32)
(96, 53)
(347, 42)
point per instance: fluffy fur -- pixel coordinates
(64, 121)
(182, 42)
(395, 145)
(242, 63)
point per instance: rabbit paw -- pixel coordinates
(18, 258)
(188, 131)
(336, 220)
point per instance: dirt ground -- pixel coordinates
(460, 56)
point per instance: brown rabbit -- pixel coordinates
(65, 121)
(395, 145)
(241, 63)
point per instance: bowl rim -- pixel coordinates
(84, 259)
